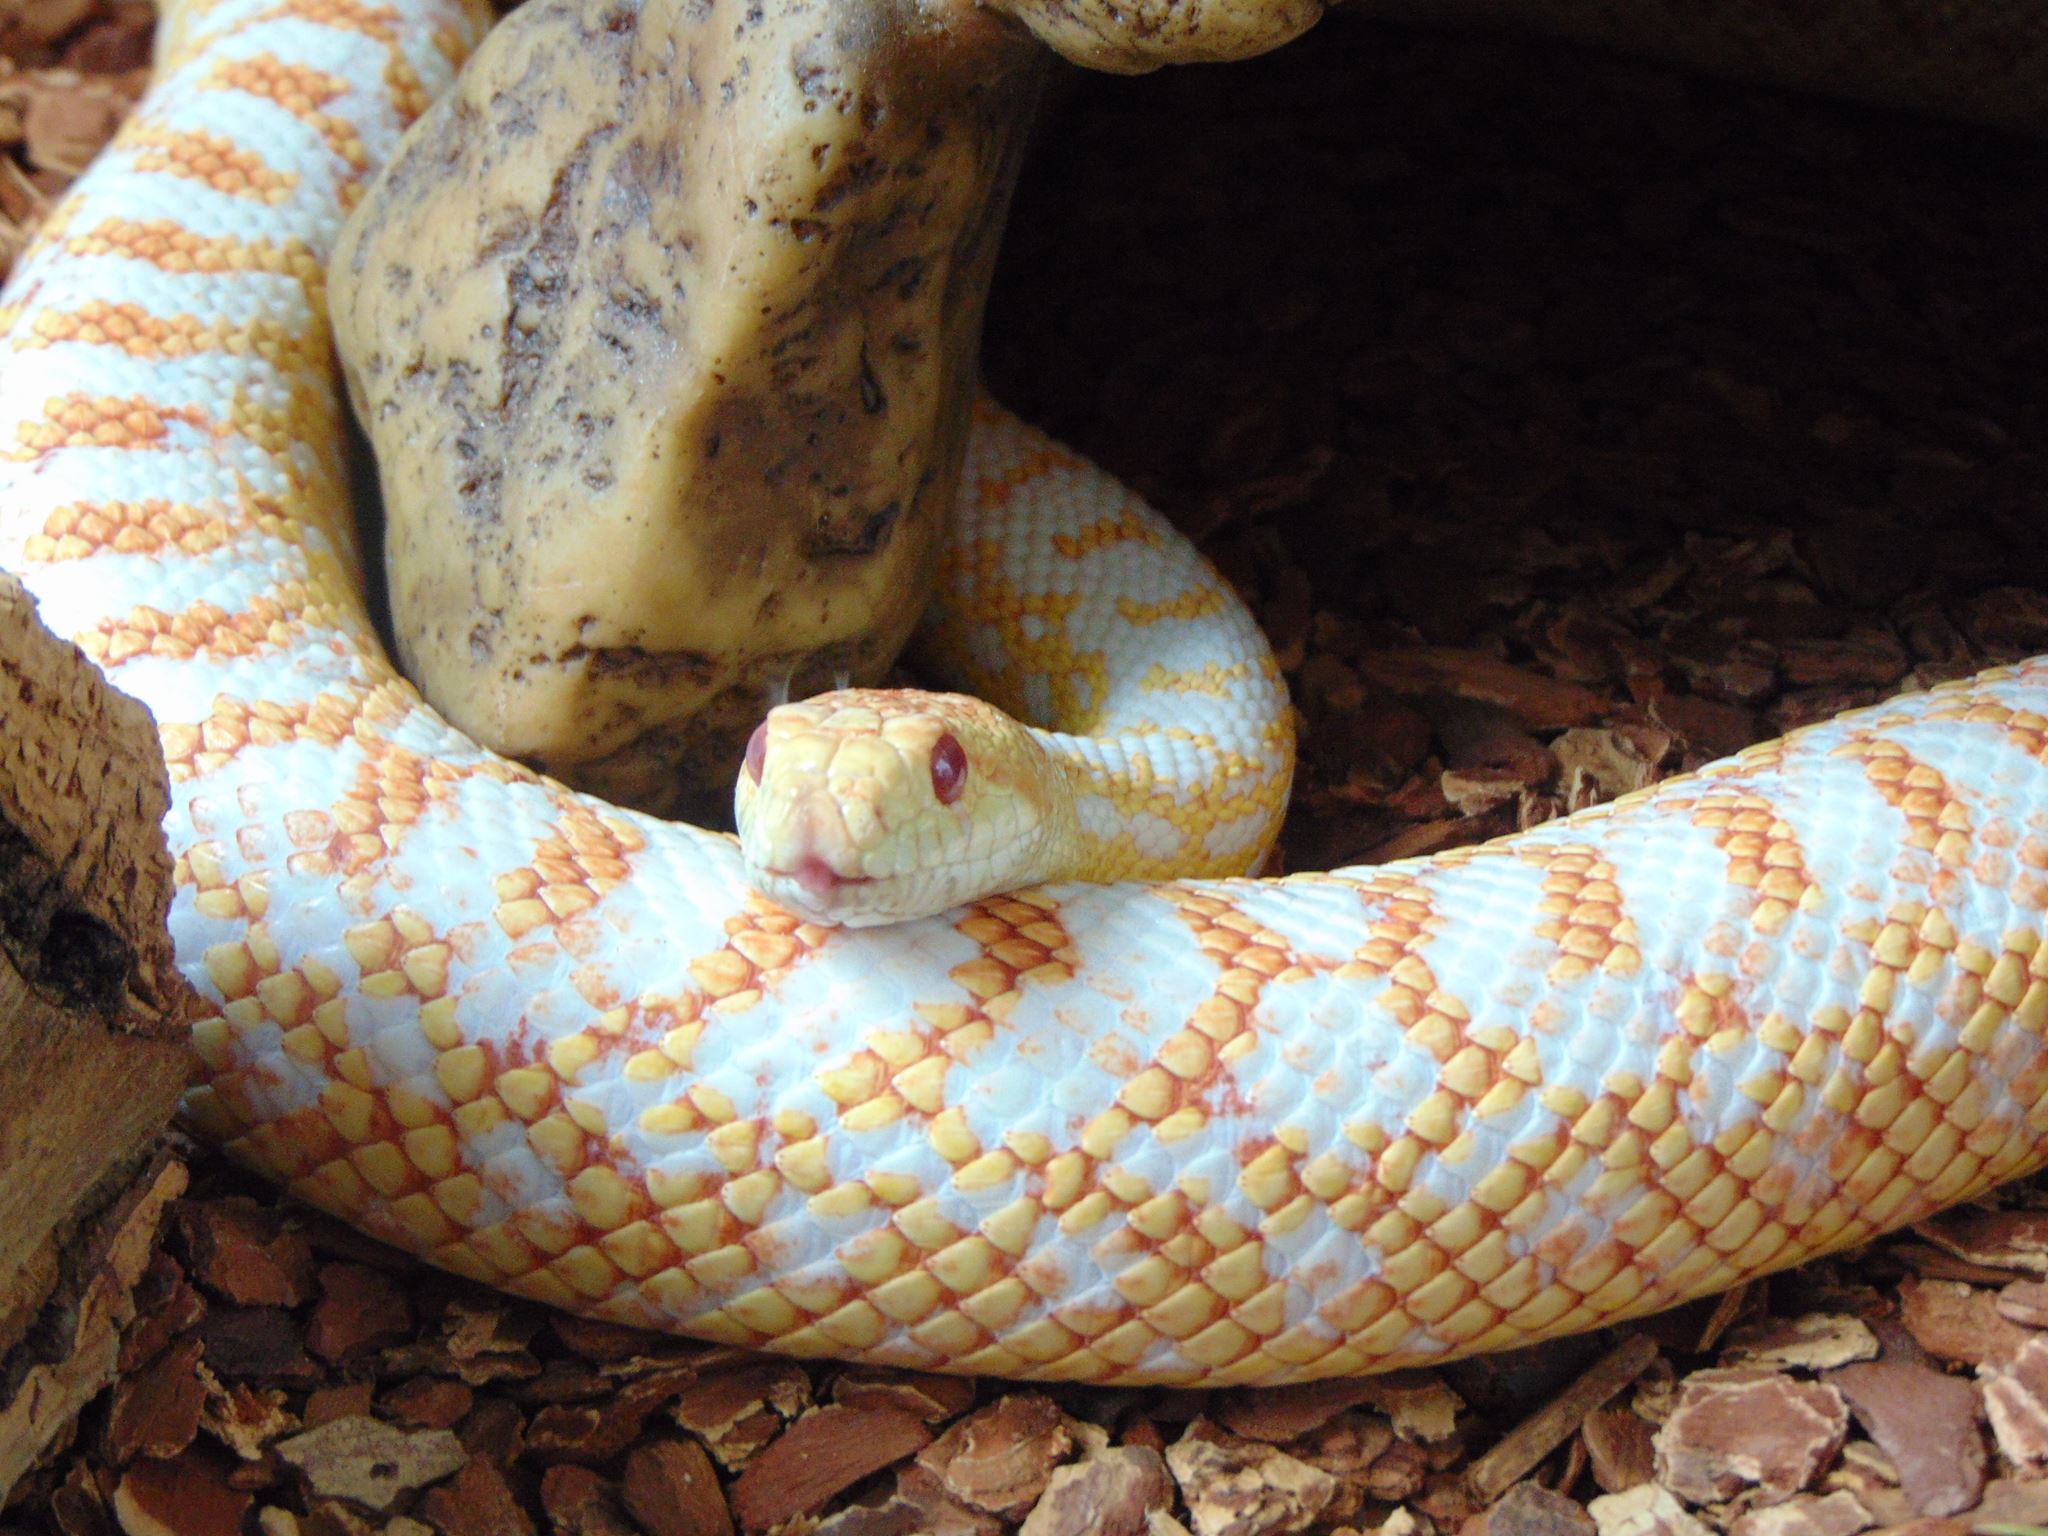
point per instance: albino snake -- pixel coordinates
(1064, 599)
(1223, 1132)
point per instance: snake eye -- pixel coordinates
(757, 751)
(949, 768)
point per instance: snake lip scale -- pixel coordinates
(1200, 1131)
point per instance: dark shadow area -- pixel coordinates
(1707, 410)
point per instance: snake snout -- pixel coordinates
(816, 863)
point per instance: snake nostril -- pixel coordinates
(949, 768)
(757, 751)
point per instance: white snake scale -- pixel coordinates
(1223, 1132)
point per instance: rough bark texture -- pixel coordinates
(92, 1009)
(663, 328)
(66, 1312)
(92, 1054)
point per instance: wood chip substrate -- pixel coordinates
(1569, 423)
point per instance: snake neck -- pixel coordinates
(1159, 805)
(1065, 850)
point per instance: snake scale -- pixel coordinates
(1225, 1131)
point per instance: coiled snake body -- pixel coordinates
(1224, 1132)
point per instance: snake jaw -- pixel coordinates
(813, 889)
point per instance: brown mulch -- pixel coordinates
(69, 72)
(1569, 423)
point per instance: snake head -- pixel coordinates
(873, 806)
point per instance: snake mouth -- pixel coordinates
(819, 879)
(845, 912)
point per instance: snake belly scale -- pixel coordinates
(1223, 1131)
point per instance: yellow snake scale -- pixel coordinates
(1215, 1132)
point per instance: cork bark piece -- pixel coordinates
(91, 1025)
(92, 1012)
(91, 1008)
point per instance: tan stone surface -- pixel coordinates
(663, 326)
